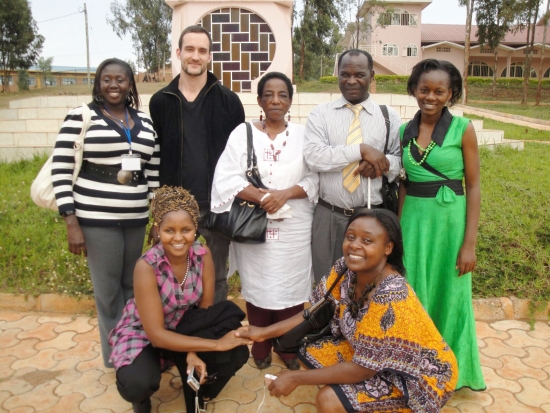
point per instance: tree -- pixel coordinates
(469, 15)
(494, 19)
(316, 32)
(530, 15)
(149, 24)
(23, 79)
(545, 19)
(20, 43)
(45, 66)
(360, 17)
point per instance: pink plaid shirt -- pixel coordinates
(128, 338)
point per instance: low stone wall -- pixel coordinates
(485, 309)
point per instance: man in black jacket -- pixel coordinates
(193, 117)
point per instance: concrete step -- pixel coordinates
(519, 145)
(488, 136)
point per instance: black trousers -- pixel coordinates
(138, 381)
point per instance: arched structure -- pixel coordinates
(249, 37)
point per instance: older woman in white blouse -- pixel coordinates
(276, 276)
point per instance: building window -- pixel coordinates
(398, 18)
(441, 49)
(547, 73)
(481, 69)
(412, 50)
(535, 51)
(69, 81)
(32, 81)
(85, 80)
(390, 49)
(486, 50)
(516, 70)
(243, 46)
(10, 80)
(52, 81)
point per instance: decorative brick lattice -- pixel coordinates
(243, 46)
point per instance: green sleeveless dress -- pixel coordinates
(433, 232)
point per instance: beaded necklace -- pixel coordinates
(186, 273)
(277, 152)
(354, 306)
(426, 151)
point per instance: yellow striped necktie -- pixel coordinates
(355, 136)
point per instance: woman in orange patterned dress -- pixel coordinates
(384, 354)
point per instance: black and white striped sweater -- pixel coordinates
(98, 203)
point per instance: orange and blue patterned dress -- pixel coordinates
(392, 335)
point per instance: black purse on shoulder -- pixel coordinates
(245, 222)
(390, 190)
(315, 326)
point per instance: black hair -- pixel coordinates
(355, 52)
(275, 75)
(391, 223)
(428, 65)
(195, 29)
(132, 99)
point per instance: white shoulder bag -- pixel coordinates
(42, 188)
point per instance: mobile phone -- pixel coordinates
(268, 378)
(192, 381)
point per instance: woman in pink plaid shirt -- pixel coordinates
(169, 279)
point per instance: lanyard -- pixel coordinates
(124, 128)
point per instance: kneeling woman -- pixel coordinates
(154, 331)
(384, 354)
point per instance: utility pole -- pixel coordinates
(87, 46)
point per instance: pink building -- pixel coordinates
(405, 40)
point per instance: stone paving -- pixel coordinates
(52, 363)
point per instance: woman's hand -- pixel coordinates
(275, 200)
(231, 340)
(75, 236)
(466, 261)
(285, 384)
(194, 361)
(251, 332)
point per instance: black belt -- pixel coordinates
(108, 174)
(430, 189)
(346, 212)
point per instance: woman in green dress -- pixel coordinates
(439, 216)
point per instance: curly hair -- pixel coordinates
(173, 198)
(428, 65)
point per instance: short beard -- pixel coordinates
(203, 69)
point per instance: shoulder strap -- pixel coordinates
(340, 275)
(251, 160)
(384, 110)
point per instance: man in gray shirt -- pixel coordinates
(345, 142)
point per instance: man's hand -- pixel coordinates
(365, 169)
(376, 158)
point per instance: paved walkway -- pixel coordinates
(506, 117)
(51, 364)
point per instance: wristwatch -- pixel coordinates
(67, 213)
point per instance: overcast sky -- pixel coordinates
(66, 38)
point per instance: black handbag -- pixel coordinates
(245, 222)
(390, 190)
(315, 326)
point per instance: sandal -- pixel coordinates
(292, 364)
(263, 363)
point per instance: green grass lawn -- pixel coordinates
(513, 248)
(530, 111)
(513, 131)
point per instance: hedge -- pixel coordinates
(503, 81)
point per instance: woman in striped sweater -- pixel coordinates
(106, 211)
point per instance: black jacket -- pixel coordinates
(224, 112)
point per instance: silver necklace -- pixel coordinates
(186, 272)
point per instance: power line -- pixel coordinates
(56, 18)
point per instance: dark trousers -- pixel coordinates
(261, 317)
(219, 247)
(138, 381)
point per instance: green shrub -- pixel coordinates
(396, 79)
(332, 80)
(505, 81)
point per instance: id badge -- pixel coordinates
(131, 162)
